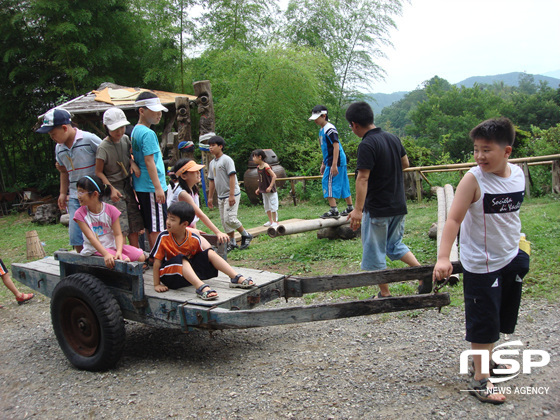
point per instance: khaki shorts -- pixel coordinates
(131, 218)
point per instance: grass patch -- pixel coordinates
(304, 255)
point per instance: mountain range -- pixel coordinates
(378, 101)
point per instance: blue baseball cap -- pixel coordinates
(53, 118)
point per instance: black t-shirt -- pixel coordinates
(381, 152)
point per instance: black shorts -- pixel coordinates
(153, 213)
(3, 268)
(200, 263)
(492, 300)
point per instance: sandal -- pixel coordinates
(204, 295)
(481, 391)
(24, 298)
(493, 366)
(245, 284)
(380, 296)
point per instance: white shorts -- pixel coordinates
(270, 201)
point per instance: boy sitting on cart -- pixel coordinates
(179, 260)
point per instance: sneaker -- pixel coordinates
(331, 215)
(347, 211)
(274, 225)
(267, 224)
(245, 241)
(230, 247)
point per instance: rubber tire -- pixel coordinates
(88, 322)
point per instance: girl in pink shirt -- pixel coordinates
(100, 225)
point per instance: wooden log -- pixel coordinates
(454, 254)
(219, 318)
(556, 177)
(307, 225)
(449, 195)
(298, 286)
(34, 248)
(418, 185)
(441, 214)
(337, 232)
(525, 168)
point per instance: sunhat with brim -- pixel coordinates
(190, 166)
(54, 117)
(114, 118)
(153, 104)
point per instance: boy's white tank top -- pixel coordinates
(490, 232)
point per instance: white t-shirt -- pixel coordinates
(194, 196)
(491, 229)
(100, 224)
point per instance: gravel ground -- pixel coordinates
(376, 367)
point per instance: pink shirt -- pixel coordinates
(101, 224)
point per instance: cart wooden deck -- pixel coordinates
(89, 302)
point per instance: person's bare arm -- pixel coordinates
(231, 190)
(465, 195)
(355, 216)
(336, 153)
(99, 166)
(158, 286)
(211, 189)
(404, 162)
(64, 183)
(272, 178)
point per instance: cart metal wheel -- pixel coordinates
(87, 322)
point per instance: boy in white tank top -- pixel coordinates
(486, 207)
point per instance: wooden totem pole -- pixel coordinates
(184, 133)
(205, 107)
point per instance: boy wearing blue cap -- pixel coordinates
(75, 155)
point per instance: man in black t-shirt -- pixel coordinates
(380, 207)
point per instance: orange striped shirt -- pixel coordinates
(166, 246)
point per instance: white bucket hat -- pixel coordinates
(114, 118)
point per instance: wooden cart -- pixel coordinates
(90, 302)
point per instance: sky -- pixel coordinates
(457, 39)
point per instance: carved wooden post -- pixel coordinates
(205, 107)
(182, 106)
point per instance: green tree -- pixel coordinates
(52, 51)
(351, 33)
(262, 99)
(243, 24)
(442, 122)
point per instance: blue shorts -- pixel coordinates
(74, 231)
(382, 236)
(492, 300)
(337, 187)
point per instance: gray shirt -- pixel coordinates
(113, 153)
(219, 171)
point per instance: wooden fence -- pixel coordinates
(419, 173)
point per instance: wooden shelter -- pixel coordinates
(87, 110)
